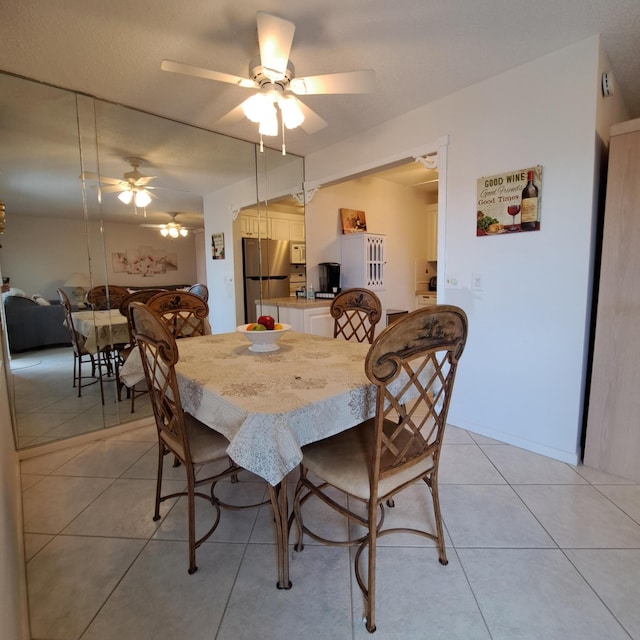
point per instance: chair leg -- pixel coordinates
(371, 569)
(79, 376)
(192, 520)
(156, 513)
(433, 485)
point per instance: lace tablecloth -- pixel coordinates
(269, 405)
(101, 328)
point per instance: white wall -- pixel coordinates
(40, 252)
(397, 212)
(522, 376)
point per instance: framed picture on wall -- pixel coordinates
(217, 246)
(353, 221)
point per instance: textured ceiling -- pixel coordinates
(421, 50)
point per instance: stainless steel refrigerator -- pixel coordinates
(266, 268)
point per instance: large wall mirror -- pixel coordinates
(63, 160)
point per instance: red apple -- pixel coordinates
(267, 321)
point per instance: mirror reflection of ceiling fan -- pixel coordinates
(273, 74)
(172, 229)
(132, 187)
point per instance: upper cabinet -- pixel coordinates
(274, 225)
(363, 261)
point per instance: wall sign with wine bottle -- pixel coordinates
(509, 202)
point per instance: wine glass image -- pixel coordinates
(513, 210)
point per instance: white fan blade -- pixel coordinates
(208, 74)
(346, 82)
(113, 189)
(90, 175)
(232, 117)
(275, 36)
(142, 182)
(312, 121)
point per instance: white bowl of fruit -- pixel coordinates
(264, 334)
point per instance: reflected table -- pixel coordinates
(101, 328)
(269, 405)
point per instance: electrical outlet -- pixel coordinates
(476, 282)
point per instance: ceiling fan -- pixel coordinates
(273, 74)
(133, 186)
(172, 229)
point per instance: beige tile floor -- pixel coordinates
(47, 404)
(537, 549)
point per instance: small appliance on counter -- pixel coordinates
(433, 284)
(329, 276)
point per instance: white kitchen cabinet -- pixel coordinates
(308, 319)
(363, 261)
(267, 309)
(253, 227)
(432, 233)
(279, 228)
(297, 230)
(274, 225)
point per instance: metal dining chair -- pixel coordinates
(103, 297)
(124, 352)
(80, 353)
(191, 442)
(184, 313)
(356, 312)
(200, 290)
(413, 365)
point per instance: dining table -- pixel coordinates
(269, 405)
(101, 329)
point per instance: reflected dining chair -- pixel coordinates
(356, 312)
(200, 290)
(193, 443)
(184, 313)
(125, 351)
(103, 297)
(413, 365)
(80, 354)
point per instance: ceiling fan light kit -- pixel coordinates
(274, 76)
(172, 229)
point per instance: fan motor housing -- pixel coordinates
(256, 73)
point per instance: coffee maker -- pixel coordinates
(329, 276)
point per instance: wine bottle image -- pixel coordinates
(529, 205)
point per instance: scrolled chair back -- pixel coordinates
(356, 312)
(413, 364)
(103, 297)
(185, 314)
(141, 295)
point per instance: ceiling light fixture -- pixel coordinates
(173, 229)
(141, 197)
(261, 109)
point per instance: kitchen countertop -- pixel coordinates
(299, 303)
(427, 293)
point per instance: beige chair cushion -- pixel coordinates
(206, 444)
(344, 461)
